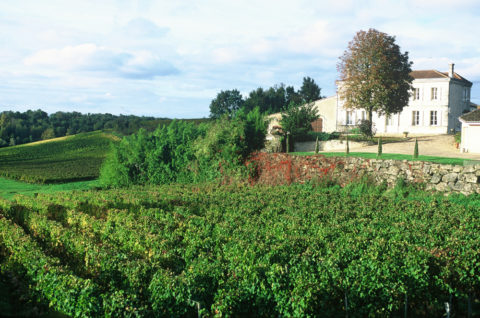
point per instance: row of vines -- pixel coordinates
(299, 250)
(72, 158)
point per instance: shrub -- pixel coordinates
(184, 152)
(458, 137)
(366, 128)
(415, 150)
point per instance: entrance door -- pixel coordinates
(317, 125)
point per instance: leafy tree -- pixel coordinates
(272, 100)
(255, 129)
(48, 134)
(309, 92)
(226, 102)
(375, 75)
(297, 120)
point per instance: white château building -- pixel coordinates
(437, 101)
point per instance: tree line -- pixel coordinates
(272, 100)
(33, 125)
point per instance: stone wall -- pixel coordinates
(329, 145)
(280, 168)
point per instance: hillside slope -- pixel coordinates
(64, 159)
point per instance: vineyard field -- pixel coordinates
(238, 250)
(60, 160)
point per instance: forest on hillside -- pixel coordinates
(22, 127)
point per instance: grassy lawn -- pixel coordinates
(394, 156)
(9, 188)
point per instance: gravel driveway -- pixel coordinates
(439, 145)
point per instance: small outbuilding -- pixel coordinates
(470, 132)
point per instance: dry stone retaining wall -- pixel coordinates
(280, 168)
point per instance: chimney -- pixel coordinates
(450, 70)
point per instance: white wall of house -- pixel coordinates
(434, 108)
(327, 110)
(470, 138)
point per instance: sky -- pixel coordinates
(171, 58)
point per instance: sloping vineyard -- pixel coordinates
(72, 158)
(297, 250)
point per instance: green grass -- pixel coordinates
(60, 160)
(10, 188)
(390, 156)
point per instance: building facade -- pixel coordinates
(470, 132)
(437, 101)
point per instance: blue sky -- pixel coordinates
(171, 58)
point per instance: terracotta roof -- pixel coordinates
(473, 116)
(427, 74)
(436, 74)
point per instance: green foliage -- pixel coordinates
(375, 75)
(316, 146)
(322, 136)
(288, 144)
(380, 147)
(255, 129)
(10, 188)
(309, 92)
(296, 120)
(163, 156)
(19, 128)
(365, 128)
(458, 137)
(271, 100)
(184, 152)
(226, 103)
(73, 158)
(47, 134)
(415, 150)
(246, 251)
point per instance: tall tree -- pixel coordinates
(291, 96)
(226, 102)
(309, 92)
(297, 120)
(374, 74)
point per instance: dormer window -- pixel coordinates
(434, 94)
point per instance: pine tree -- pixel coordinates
(415, 151)
(379, 153)
(316, 146)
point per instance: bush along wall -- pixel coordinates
(184, 152)
(284, 169)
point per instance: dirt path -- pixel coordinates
(440, 145)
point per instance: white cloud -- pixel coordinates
(92, 58)
(67, 58)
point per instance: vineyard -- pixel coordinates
(299, 250)
(66, 159)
